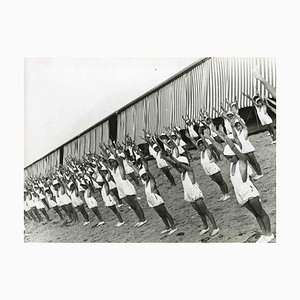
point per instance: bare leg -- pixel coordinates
(116, 212)
(254, 163)
(200, 203)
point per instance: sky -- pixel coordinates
(65, 96)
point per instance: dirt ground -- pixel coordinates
(236, 222)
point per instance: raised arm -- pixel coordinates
(266, 84)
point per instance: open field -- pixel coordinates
(236, 222)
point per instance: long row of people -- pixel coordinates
(113, 170)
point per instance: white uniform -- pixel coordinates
(51, 202)
(124, 187)
(38, 202)
(228, 129)
(62, 199)
(247, 147)
(30, 202)
(243, 190)
(211, 126)
(76, 201)
(209, 166)
(111, 184)
(192, 131)
(153, 199)
(192, 191)
(161, 163)
(90, 201)
(107, 198)
(263, 116)
(128, 169)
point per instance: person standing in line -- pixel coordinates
(240, 132)
(192, 192)
(245, 191)
(264, 118)
(125, 188)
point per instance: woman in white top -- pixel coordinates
(155, 201)
(109, 201)
(192, 192)
(50, 198)
(90, 200)
(39, 204)
(125, 188)
(265, 119)
(245, 191)
(209, 164)
(27, 210)
(77, 202)
(31, 204)
(156, 151)
(63, 200)
(105, 174)
(240, 132)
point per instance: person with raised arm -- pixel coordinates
(240, 132)
(77, 201)
(125, 188)
(50, 198)
(265, 119)
(209, 165)
(245, 191)
(91, 202)
(154, 199)
(109, 201)
(192, 192)
(156, 151)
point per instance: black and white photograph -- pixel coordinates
(142, 155)
(150, 150)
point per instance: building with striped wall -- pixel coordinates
(205, 84)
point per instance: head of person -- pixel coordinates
(182, 160)
(156, 148)
(71, 186)
(173, 136)
(201, 145)
(238, 126)
(103, 171)
(112, 161)
(258, 101)
(144, 175)
(230, 155)
(230, 115)
(170, 144)
(206, 130)
(208, 120)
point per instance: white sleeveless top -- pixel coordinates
(125, 187)
(192, 131)
(62, 199)
(213, 134)
(192, 191)
(161, 163)
(246, 144)
(243, 190)
(111, 184)
(209, 166)
(263, 116)
(30, 202)
(128, 169)
(107, 198)
(51, 202)
(153, 199)
(90, 201)
(76, 201)
(38, 203)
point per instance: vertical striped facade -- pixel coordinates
(206, 85)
